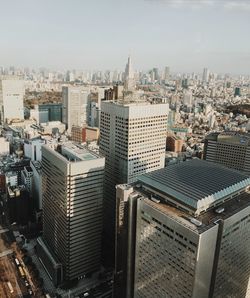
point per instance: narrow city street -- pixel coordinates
(10, 282)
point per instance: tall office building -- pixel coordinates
(53, 112)
(237, 91)
(11, 99)
(231, 149)
(132, 139)
(205, 76)
(192, 232)
(75, 108)
(72, 182)
(156, 74)
(188, 98)
(167, 73)
(129, 83)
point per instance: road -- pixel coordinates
(8, 272)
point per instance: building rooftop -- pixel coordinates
(232, 137)
(196, 185)
(76, 152)
(206, 220)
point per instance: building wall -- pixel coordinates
(92, 133)
(27, 179)
(12, 98)
(171, 259)
(37, 185)
(4, 147)
(33, 149)
(174, 144)
(2, 183)
(78, 134)
(72, 211)
(132, 139)
(233, 270)
(232, 154)
(54, 111)
(75, 106)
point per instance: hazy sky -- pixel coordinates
(99, 34)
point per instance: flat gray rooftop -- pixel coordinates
(197, 183)
(77, 152)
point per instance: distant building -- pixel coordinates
(4, 146)
(167, 73)
(72, 182)
(84, 134)
(27, 177)
(78, 134)
(75, 106)
(231, 149)
(19, 199)
(188, 98)
(2, 182)
(37, 184)
(109, 94)
(11, 179)
(190, 233)
(11, 99)
(33, 149)
(52, 128)
(17, 167)
(174, 144)
(237, 92)
(34, 114)
(52, 110)
(205, 76)
(129, 82)
(114, 93)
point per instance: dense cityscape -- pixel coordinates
(125, 159)
(112, 186)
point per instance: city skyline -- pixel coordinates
(186, 35)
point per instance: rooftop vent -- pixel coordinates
(196, 222)
(155, 200)
(220, 210)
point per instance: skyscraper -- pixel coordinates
(167, 73)
(75, 109)
(231, 149)
(192, 232)
(11, 99)
(129, 82)
(132, 139)
(237, 92)
(72, 182)
(156, 74)
(205, 75)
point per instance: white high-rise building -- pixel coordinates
(72, 183)
(205, 76)
(166, 73)
(132, 139)
(4, 146)
(188, 98)
(75, 106)
(129, 83)
(11, 99)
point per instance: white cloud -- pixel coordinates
(186, 3)
(237, 5)
(230, 5)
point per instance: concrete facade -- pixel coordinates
(11, 99)
(72, 182)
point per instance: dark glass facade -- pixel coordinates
(54, 111)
